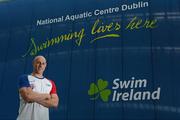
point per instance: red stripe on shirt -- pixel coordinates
(53, 90)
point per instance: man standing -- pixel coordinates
(37, 93)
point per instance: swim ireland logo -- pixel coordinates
(133, 89)
(99, 90)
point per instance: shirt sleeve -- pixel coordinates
(53, 90)
(23, 81)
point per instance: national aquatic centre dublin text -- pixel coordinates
(97, 12)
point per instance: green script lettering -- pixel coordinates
(100, 28)
(34, 48)
(137, 23)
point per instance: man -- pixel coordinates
(37, 93)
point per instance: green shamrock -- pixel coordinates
(99, 90)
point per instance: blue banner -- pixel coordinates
(110, 59)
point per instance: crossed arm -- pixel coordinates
(47, 100)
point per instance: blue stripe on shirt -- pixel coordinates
(23, 81)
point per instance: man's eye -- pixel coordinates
(41, 63)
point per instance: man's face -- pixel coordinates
(39, 65)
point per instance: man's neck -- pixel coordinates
(37, 75)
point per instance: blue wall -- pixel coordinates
(143, 53)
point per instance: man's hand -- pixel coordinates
(52, 102)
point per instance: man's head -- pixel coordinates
(39, 64)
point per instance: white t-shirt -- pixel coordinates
(35, 111)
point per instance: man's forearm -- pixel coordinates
(31, 96)
(36, 97)
(46, 103)
(52, 102)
